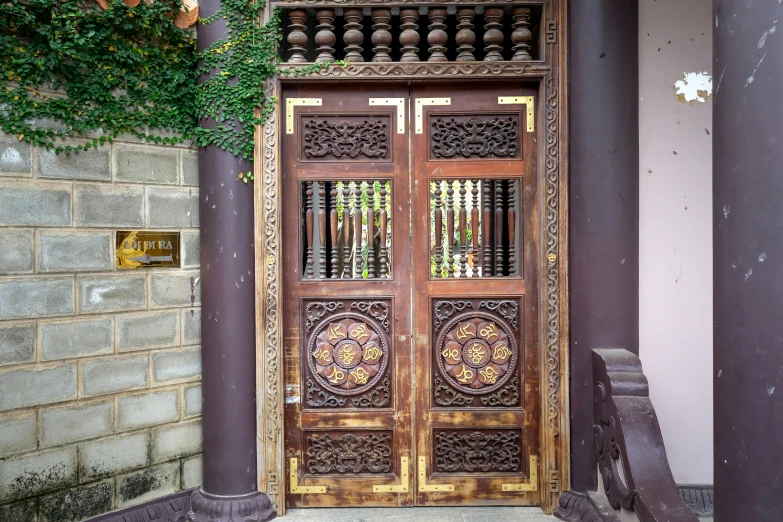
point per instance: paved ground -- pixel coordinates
(421, 514)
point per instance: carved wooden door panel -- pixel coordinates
(347, 325)
(410, 330)
(474, 305)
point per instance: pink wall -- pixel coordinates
(676, 231)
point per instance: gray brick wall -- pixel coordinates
(100, 369)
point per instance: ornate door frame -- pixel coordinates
(551, 104)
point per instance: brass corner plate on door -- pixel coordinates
(531, 484)
(290, 103)
(293, 477)
(528, 102)
(420, 104)
(400, 104)
(430, 488)
(402, 487)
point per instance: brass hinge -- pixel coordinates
(400, 104)
(293, 477)
(531, 484)
(529, 103)
(402, 487)
(420, 103)
(430, 488)
(290, 103)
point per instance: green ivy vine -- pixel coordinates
(72, 70)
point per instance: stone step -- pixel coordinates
(419, 514)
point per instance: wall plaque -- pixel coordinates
(147, 249)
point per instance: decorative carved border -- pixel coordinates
(419, 70)
(391, 3)
(553, 275)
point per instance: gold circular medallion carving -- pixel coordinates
(347, 354)
(476, 353)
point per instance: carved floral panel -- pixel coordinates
(348, 453)
(348, 353)
(477, 353)
(475, 136)
(345, 138)
(472, 451)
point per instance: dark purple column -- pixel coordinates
(230, 490)
(604, 203)
(748, 260)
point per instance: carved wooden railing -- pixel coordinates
(628, 443)
(463, 33)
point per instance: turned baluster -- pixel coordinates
(357, 230)
(463, 240)
(465, 37)
(512, 227)
(322, 230)
(353, 36)
(474, 229)
(384, 253)
(371, 229)
(487, 228)
(381, 37)
(297, 37)
(499, 257)
(438, 231)
(450, 225)
(521, 37)
(325, 37)
(309, 228)
(334, 259)
(437, 38)
(346, 231)
(409, 38)
(493, 34)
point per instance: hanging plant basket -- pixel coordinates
(187, 15)
(131, 3)
(103, 4)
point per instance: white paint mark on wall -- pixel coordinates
(12, 156)
(762, 257)
(694, 87)
(763, 38)
(752, 76)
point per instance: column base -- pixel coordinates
(584, 507)
(255, 507)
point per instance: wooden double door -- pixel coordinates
(410, 239)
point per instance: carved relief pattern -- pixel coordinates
(378, 310)
(476, 352)
(476, 451)
(315, 310)
(509, 310)
(349, 453)
(445, 395)
(471, 137)
(425, 69)
(377, 398)
(271, 422)
(445, 309)
(318, 398)
(343, 138)
(552, 258)
(347, 354)
(507, 396)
